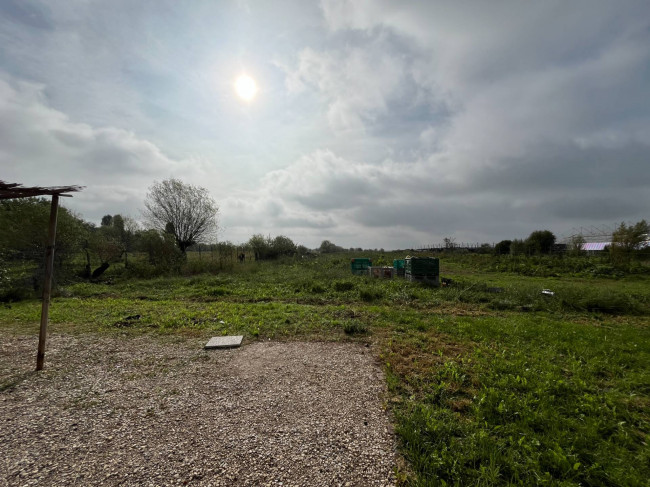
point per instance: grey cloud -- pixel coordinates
(569, 168)
(341, 193)
(69, 138)
(42, 146)
(40, 135)
(378, 122)
(27, 13)
(588, 207)
(324, 222)
(547, 189)
(366, 87)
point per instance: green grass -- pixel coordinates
(490, 381)
(523, 399)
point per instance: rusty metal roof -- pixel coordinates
(16, 190)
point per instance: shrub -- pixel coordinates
(602, 301)
(503, 247)
(343, 286)
(217, 291)
(15, 293)
(317, 288)
(369, 295)
(540, 242)
(355, 328)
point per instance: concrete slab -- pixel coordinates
(224, 342)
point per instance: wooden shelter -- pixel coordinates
(15, 190)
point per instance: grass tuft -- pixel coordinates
(355, 328)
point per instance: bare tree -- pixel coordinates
(187, 212)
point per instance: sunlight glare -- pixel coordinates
(245, 87)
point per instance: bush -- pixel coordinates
(317, 288)
(343, 286)
(162, 251)
(503, 247)
(600, 301)
(540, 242)
(355, 328)
(145, 270)
(15, 293)
(217, 291)
(369, 295)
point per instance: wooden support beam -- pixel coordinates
(47, 283)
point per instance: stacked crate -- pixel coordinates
(383, 272)
(398, 264)
(423, 269)
(360, 266)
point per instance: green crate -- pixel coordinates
(432, 280)
(360, 265)
(398, 263)
(422, 266)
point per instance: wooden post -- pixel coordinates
(47, 283)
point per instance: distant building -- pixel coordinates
(595, 246)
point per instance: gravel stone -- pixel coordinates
(158, 411)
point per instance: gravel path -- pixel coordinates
(147, 411)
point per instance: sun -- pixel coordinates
(245, 87)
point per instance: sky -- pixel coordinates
(377, 124)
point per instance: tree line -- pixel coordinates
(629, 241)
(179, 217)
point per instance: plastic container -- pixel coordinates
(360, 266)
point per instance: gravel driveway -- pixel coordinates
(152, 411)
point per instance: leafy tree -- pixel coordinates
(124, 230)
(575, 245)
(517, 247)
(23, 237)
(540, 242)
(485, 248)
(107, 249)
(187, 212)
(24, 224)
(302, 250)
(631, 237)
(327, 247)
(161, 249)
(283, 246)
(113, 239)
(503, 247)
(628, 241)
(271, 248)
(260, 246)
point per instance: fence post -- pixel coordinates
(47, 284)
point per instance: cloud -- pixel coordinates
(361, 84)
(379, 123)
(39, 141)
(552, 187)
(26, 14)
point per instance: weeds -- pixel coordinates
(355, 328)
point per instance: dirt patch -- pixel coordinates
(145, 411)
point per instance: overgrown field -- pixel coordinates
(490, 381)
